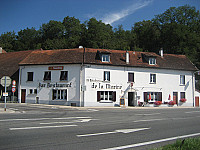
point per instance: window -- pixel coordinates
(152, 96)
(130, 77)
(106, 75)
(106, 96)
(64, 75)
(182, 79)
(152, 78)
(105, 58)
(152, 61)
(59, 95)
(182, 95)
(47, 75)
(35, 91)
(29, 76)
(30, 91)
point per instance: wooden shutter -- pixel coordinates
(159, 96)
(98, 96)
(114, 96)
(145, 97)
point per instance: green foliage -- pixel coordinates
(187, 144)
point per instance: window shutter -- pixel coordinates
(114, 96)
(104, 78)
(159, 96)
(98, 96)
(145, 97)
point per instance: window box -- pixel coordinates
(183, 100)
(171, 103)
(157, 103)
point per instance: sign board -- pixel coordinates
(13, 89)
(7, 80)
(56, 68)
(122, 101)
(5, 94)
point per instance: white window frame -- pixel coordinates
(182, 79)
(60, 94)
(152, 61)
(62, 75)
(105, 58)
(152, 78)
(106, 95)
(106, 75)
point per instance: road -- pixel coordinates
(53, 127)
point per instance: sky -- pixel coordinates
(16, 15)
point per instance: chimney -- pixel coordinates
(127, 57)
(161, 52)
(1, 50)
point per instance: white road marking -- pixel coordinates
(152, 142)
(43, 127)
(33, 119)
(74, 121)
(192, 112)
(147, 114)
(148, 120)
(116, 131)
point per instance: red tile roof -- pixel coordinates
(10, 61)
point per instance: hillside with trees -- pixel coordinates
(177, 31)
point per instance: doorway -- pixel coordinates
(196, 101)
(23, 95)
(175, 97)
(132, 99)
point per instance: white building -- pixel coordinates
(99, 77)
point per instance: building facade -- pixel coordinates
(99, 77)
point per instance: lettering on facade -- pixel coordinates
(105, 86)
(53, 85)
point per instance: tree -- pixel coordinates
(147, 35)
(52, 30)
(99, 35)
(28, 39)
(74, 31)
(7, 40)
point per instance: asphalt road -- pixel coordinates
(44, 127)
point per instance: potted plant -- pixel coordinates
(171, 103)
(157, 103)
(183, 100)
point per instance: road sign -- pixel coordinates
(7, 80)
(5, 94)
(14, 83)
(13, 89)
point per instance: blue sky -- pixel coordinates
(16, 15)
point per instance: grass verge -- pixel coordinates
(185, 144)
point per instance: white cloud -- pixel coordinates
(113, 17)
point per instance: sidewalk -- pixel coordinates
(2, 111)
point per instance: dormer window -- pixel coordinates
(152, 61)
(105, 58)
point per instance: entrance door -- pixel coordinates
(196, 101)
(132, 99)
(175, 97)
(23, 95)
